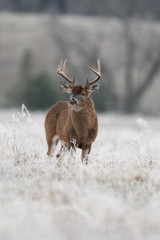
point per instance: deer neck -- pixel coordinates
(86, 107)
(84, 116)
(77, 108)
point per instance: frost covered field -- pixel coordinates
(117, 196)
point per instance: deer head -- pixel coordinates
(78, 93)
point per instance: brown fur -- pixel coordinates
(68, 124)
(74, 121)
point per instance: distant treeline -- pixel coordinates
(115, 8)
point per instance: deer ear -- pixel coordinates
(93, 88)
(66, 88)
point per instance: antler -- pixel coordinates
(98, 73)
(61, 71)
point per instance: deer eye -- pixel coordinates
(83, 94)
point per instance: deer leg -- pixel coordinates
(72, 150)
(85, 153)
(49, 142)
(72, 147)
(52, 145)
(60, 151)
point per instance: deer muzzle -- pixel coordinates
(73, 101)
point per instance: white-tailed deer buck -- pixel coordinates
(73, 123)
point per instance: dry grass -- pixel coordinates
(115, 197)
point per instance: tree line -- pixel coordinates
(109, 8)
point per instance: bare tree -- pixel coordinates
(132, 95)
(62, 6)
(81, 48)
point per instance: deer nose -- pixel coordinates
(73, 101)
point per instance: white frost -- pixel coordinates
(117, 196)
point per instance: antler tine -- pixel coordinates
(60, 66)
(87, 79)
(64, 65)
(99, 65)
(97, 72)
(61, 71)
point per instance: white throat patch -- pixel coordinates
(77, 108)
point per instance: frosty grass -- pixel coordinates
(117, 196)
